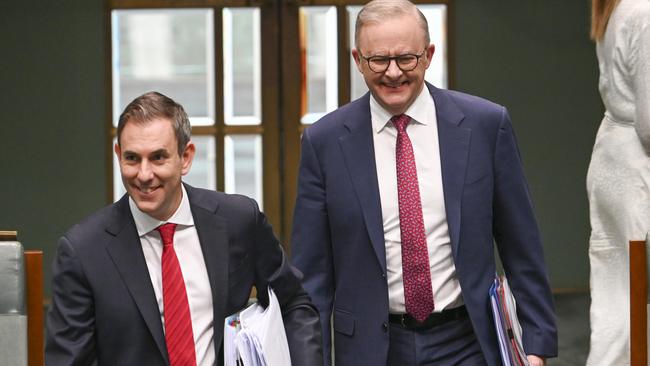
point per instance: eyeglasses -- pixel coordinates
(405, 62)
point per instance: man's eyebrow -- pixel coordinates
(160, 152)
(129, 152)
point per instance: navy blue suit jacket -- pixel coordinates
(338, 238)
(103, 303)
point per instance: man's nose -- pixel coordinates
(393, 71)
(145, 173)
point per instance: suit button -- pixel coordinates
(383, 275)
(384, 327)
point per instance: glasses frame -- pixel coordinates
(395, 58)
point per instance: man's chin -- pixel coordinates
(151, 209)
(393, 99)
(145, 206)
(145, 203)
(395, 105)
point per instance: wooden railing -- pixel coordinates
(34, 292)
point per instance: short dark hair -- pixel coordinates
(152, 105)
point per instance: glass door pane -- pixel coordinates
(242, 66)
(166, 50)
(319, 50)
(243, 164)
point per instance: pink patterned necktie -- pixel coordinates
(178, 322)
(418, 294)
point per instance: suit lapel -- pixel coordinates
(454, 148)
(126, 251)
(359, 156)
(213, 235)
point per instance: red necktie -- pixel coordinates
(178, 322)
(415, 257)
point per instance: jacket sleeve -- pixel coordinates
(310, 240)
(520, 247)
(70, 338)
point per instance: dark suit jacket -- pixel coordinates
(103, 303)
(338, 238)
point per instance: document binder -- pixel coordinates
(504, 310)
(256, 337)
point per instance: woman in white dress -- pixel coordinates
(618, 181)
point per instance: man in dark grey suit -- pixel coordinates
(126, 292)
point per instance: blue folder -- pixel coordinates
(504, 310)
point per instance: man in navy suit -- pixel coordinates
(401, 197)
(150, 279)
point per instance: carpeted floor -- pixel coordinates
(573, 329)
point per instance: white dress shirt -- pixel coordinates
(423, 133)
(190, 257)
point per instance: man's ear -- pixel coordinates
(357, 58)
(431, 49)
(187, 157)
(118, 152)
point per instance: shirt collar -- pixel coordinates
(145, 223)
(417, 111)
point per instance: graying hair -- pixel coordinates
(152, 105)
(377, 11)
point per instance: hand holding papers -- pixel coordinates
(504, 309)
(256, 336)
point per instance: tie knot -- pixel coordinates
(400, 122)
(167, 233)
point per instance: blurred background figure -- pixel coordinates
(617, 180)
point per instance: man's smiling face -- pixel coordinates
(152, 167)
(395, 90)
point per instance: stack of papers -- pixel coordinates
(504, 310)
(256, 337)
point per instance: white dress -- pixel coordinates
(618, 181)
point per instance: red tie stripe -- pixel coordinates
(418, 294)
(178, 322)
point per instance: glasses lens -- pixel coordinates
(378, 64)
(407, 62)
